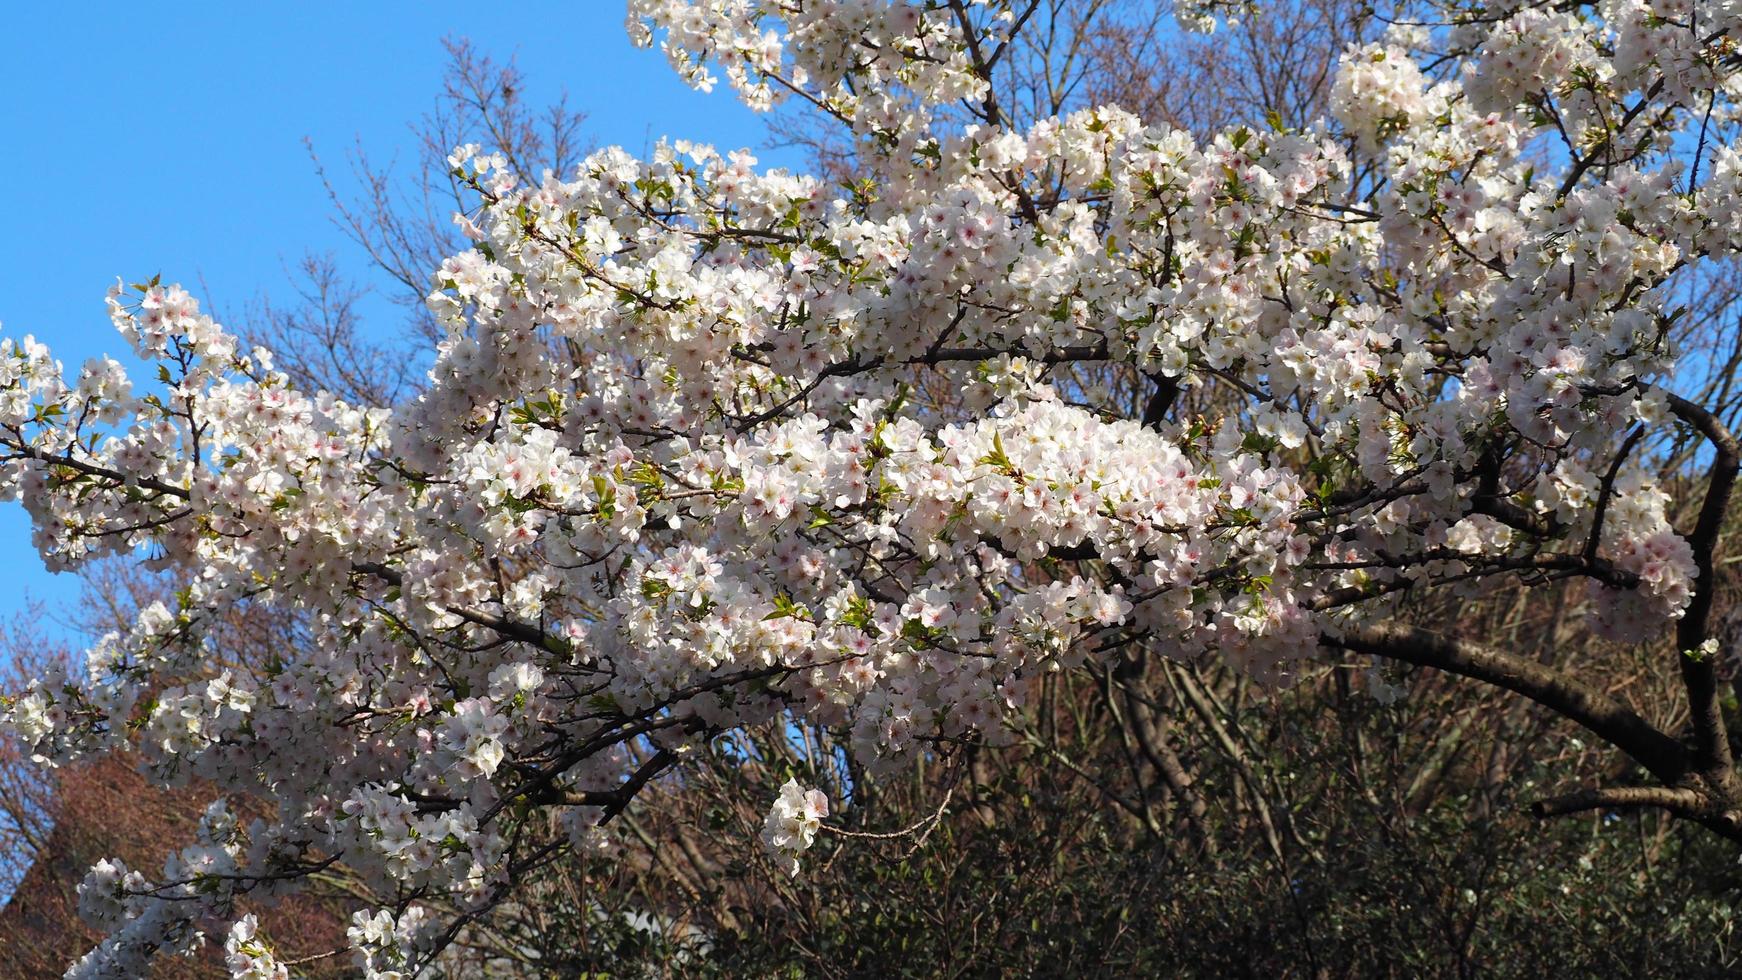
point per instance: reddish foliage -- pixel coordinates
(108, 810)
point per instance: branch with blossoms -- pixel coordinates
(668, 479)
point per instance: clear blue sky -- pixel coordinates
(169, 138)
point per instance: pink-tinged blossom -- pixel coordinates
(792, 822)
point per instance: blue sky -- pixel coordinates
(169, 138)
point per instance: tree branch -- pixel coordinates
(1684, 802)
(1572, 699)
(1699, 673)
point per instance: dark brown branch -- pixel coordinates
(1568, 697)
(621, 795)
(92, 469)
(1608, 490)
(1153, 742)
(1683, 802)
(1699, 674)
(1166, 392)
(1513, 515)
(509, 628)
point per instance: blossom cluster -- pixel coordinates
(792, 823)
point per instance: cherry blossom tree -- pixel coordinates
(669, 477)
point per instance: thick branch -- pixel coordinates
(512, 629)
(1155, 410)
(92, 469)
(1683, 802)
(1699, 674)
(1572, 699)
(1153, 743)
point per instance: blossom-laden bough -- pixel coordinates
(668, 477)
